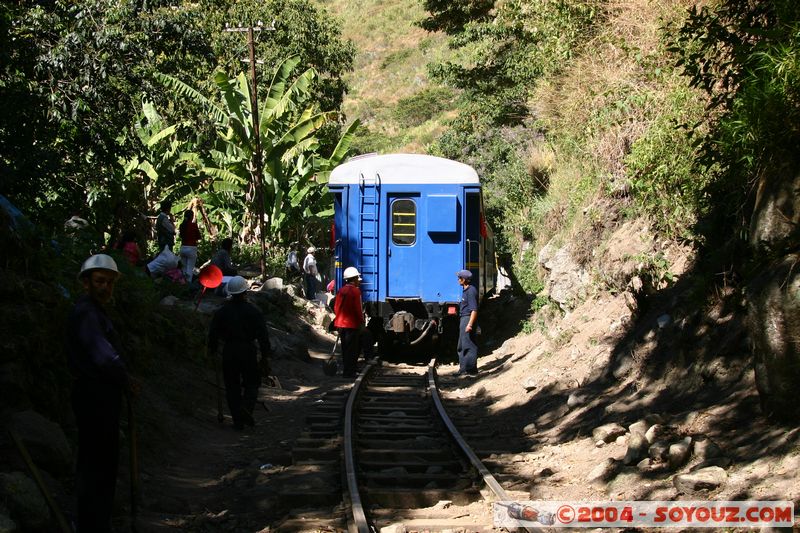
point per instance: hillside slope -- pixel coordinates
(630, 321)
(389, 90)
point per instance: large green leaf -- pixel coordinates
(224, 175)
(166, 132)
(278, 85)
(182, 89)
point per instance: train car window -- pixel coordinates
(404, 222)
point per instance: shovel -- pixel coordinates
(330, 367)
(134, 461)
(210, 277)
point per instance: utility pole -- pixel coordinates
(257, 163)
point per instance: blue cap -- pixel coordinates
(464, 274)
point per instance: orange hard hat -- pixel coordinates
(210, 276)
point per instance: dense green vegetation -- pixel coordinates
(672, 111)
(88, 127)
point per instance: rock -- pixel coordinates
(704, 448)
(600, 443)
(45, 441)
(622, 366)
(604, 471)
(678, 453)
(169, 300)
(615, 408)
(722, 462)
(272, 283)
(608, 432)
(480, 392)
(658, 451)
(654, 432)
(663, 321)
(639, 427)
(530, 429)
(7, 525)
(637, 448)
(24, 500)
(773, 294)
(443, 504)
(543, 472)
(529, 384)
(653, 418)
(552, 416)
(622, 440)
(285, 345)
(709, 478)
(292, 290)
(576, 398)
(567, 281)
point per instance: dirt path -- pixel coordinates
(541, 396)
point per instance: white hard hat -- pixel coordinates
(237, 285)
(311, 249)
(98, 262)
(351, 272)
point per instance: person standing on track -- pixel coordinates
(349, 319)
(467, 326)
(240, 324)
(100, 381)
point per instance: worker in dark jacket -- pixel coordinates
(240, 324)
(349, 319)
(467, 326)
(100, 380)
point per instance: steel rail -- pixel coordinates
(487, 476)
(360, 519)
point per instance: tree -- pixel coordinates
(745, 56)
(77, 73)
(293, 168)
(452, 16)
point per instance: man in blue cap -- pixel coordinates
(467, 349)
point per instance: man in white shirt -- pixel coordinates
(310, 273)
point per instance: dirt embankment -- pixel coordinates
(626, 396)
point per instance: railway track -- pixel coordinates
(403, 463)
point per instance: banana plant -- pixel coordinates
(287, 127)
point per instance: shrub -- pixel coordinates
(426, 104)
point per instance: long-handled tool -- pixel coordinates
(218, 379)
(37, 477)
(331, 366)
(134, 461)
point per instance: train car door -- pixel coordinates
(472, 246)
(341, 247)
(403, 272)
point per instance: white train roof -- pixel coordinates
(403, 169)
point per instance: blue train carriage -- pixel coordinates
(408, 223)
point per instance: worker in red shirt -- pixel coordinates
(349, 319)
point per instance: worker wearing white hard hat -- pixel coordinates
(349, 319)
(100, 380)
(240, 325)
